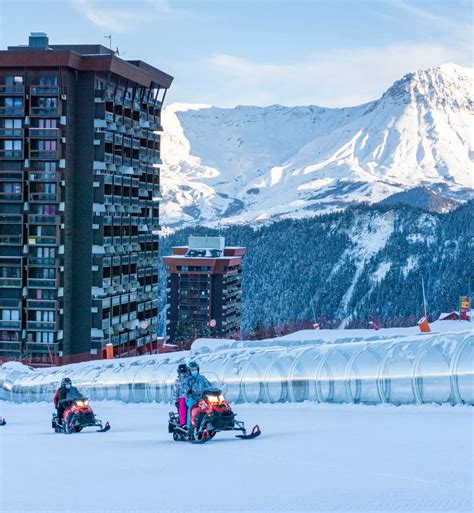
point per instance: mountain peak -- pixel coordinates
(447, 84)
(257, 164)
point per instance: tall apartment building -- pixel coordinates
(204, 289)
(79, 193)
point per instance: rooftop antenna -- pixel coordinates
(109, 37)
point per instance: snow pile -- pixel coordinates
(257, 163)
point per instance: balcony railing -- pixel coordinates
(12, 111)
(42, 239)
(41, 261)
(10, 240)
(9, 196)
(43, 176)
(44, 154)
(44, 111)
(42, 196)
(37, 325)
(10, 282)
(51, 133)
(16, 325)
(11, 154)
(11, 132)
(41, 283)
(40, 303)
(11, 89)
(45, 89)
(38, 219)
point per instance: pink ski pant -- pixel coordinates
(182, 409)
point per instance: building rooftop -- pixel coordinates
(84, 57)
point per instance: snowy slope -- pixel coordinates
(310, 458)
(255, 163)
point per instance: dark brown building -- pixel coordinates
(79, 193)
(204, 289)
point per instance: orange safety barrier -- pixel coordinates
(109, 351)
(424, 325)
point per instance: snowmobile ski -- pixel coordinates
(105, 428)
(255, 432)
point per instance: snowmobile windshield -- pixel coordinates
(74, 394)
(214, 396)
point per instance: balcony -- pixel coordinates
(108, 158)
(109, 116)
(12, 89)
(11, 154)
(10, 240)
(10, 325)
(41, 261)
(50, 133)
(10, 282)
(43, 176)
(42, 240)
(44, 154)
(44, 90)
(40, 219)
(40, 326)
(42, 196)
(34, 304)
(11, 132)
(41, 283)
(11, 196)
(18, 111)
(44, 111)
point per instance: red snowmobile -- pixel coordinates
(210, 415)
(77, 416)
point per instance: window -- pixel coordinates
(47, 102)
(12, 123)
(13, 80)
(10, 187)
(44, 315)
(10, 272)
(47, 295)
(48, 80)
(41, 337)
(46, 145)
(10, 315)
(12, 145)
(11, 336)
(45, 274)
(13, 102)
(47, 123)
(44, 209)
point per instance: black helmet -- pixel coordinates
(193, 365)
(182, 368)
(66, 381)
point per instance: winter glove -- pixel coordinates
(176, 404)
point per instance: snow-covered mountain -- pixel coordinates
(251, 164)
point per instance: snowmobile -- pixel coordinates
(77, 416)
(210, 415)
(2, 421)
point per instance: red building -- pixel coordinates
(204, 289)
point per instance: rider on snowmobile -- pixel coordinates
(196, 385)
(179, 392)
(64, 395)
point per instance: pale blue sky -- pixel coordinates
(260, 52)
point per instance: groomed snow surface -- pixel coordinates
(310, 457)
